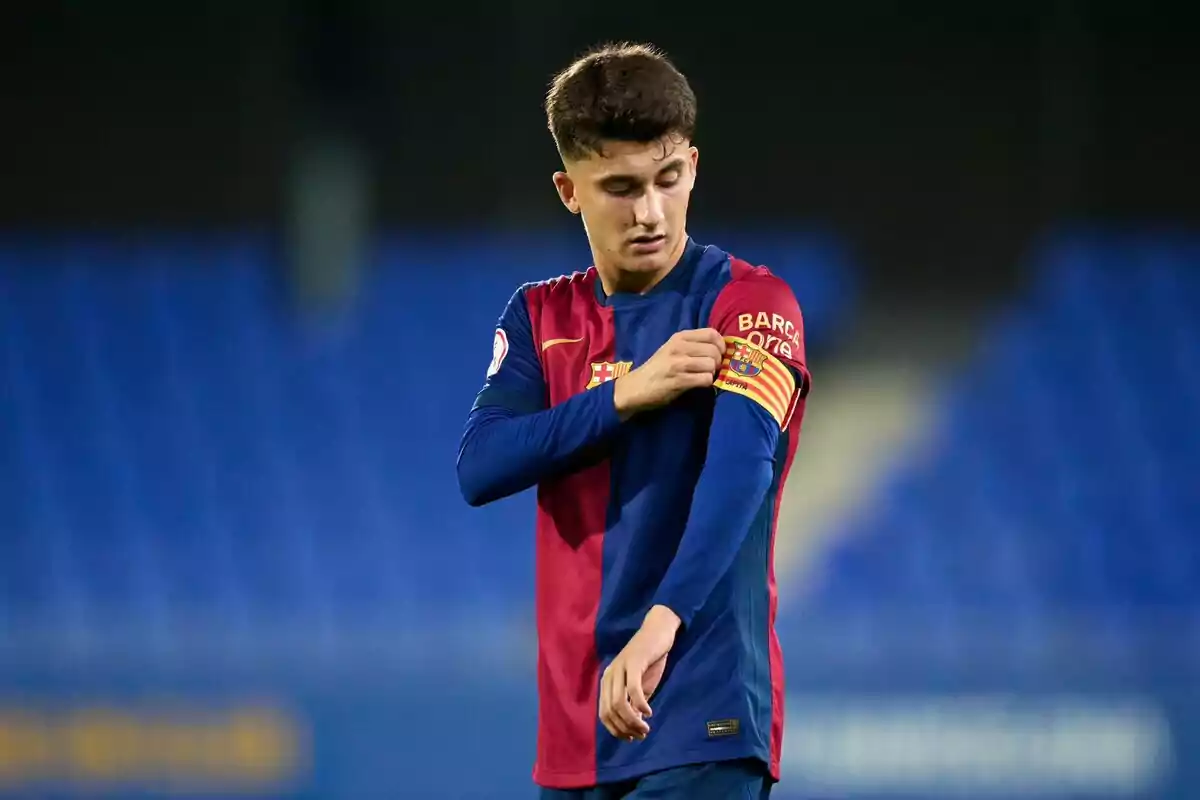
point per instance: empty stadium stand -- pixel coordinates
(179, 449)
(1061, 495)
(189, 466)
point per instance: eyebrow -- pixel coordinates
(675, 163)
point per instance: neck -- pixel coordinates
(614, 278)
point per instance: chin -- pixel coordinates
(650, 262)
(647, 263)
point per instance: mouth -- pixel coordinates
(648, 243)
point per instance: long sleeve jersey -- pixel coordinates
(676, 506)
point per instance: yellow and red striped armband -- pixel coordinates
(752, 372)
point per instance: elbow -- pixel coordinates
(474, 499)
(485, 465)
(472, 483)
(473, 491)
(470, 479)
(476, 481)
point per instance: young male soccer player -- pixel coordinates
(655, 399)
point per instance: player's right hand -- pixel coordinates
(688, 360)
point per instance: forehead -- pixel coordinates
(639, 159)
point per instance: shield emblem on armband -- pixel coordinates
(747, 361)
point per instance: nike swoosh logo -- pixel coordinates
(551, 342)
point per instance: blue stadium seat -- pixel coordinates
(1067, 478)
(178, 447)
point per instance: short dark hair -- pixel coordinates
(618, 92)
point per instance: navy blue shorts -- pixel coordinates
(746, 779)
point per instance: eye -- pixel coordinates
(621, 189)
(669, 178)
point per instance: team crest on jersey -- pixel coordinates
(605, 371)
(499, 351)
(746, 361)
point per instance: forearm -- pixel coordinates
(728, 497)
(503, 453)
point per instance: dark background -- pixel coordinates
(940, 137)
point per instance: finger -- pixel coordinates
(637, 698)
(695, 335)
(706, 352)
(608, 726)
(688, 349)
(616, 692)
(630, 720)
(624, 718)
(691, 349)
(605, 711)
(705, 363)
(714, 337)
(703, 335)
(695, 364)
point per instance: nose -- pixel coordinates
(648, 209)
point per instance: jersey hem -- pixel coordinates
(636, 769)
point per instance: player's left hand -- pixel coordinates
(633, 676)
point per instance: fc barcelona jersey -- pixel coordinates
(675, 506)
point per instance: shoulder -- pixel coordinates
(532, 297)
(563, 288)
(751, 288)
(724, 275)
(760, 308)
(756, 277)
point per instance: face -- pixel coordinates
(633, 200)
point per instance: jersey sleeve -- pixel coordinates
(758, 385)
(513, 437)
(514, 378)
(764, 344)
(729, 494)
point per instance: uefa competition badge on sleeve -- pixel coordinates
(499, 351)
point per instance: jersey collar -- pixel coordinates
(679, 276)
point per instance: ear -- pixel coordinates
(566, 191)
(694, 157)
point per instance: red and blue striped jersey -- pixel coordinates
(676, 506)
